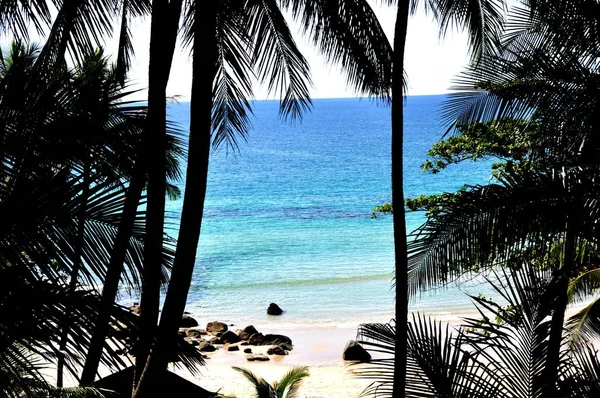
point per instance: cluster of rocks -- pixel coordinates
(216, 335)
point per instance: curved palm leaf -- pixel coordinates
(262, 388)
(348, 33)
(584, 285)
(521, 216)
(483, 20)
(437, 363)
(540, 72)
(277, 60)
(287, 386)
(584, 326)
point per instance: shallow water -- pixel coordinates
(287, 218)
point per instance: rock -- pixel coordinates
(247, 332)
(257, 357)
(244, 343)
(182, 332)
(277, 350)
(286, 346)
(274, 309)
(355, 352)
(195, 332)
(229, 337)
(275, 339)
(205, 346)
(216, 327)
(233, 348)
(256, 339)
(135, 308)
(193, 342)
(248, 350)
(187, 322)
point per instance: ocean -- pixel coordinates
(288, 216)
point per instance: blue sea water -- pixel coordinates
(288, 217)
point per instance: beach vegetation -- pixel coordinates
(540, 209)
(482, 357)
(286, 387)
(483, 21)
(68, 148)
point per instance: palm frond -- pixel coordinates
(232, 85)
(276, 58)
(17, 16)
(584, 286)
(485, 226)
(482, 19)
(584, 326)
(130, 9)
(80, 26)
(288, 385)
(262, 388)
(348, 33)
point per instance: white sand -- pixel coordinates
(318, 348)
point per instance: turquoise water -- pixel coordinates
(287, 218)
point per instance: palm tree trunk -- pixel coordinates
(400, 249)
(113, 275)
(163, 35)
(558, 310)
(195, 191)
(80, 242)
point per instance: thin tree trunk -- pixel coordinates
(163, 35)
(113, 275)
(80, 242)
(558, 311)
(400, 244)
(195, 192)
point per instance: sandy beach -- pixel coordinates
(318, 348)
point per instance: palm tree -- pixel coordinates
(230, 40)
(61, 211)
(483, 20)
(285, 388)
(502, 354)
(547, 76)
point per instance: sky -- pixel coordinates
(430, 62)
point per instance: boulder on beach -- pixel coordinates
(256, 339)
(216, 327)
(274, 309)
(233, 348)
(193, 342)
(275, 339)
(257, 357)
(247, 332)
(277, 350)
(187, 322)
(355, 352)
(205, 346)
(269, 339)
(286, 346)
(229, 337)
(195, 332)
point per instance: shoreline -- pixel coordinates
(320, 348)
